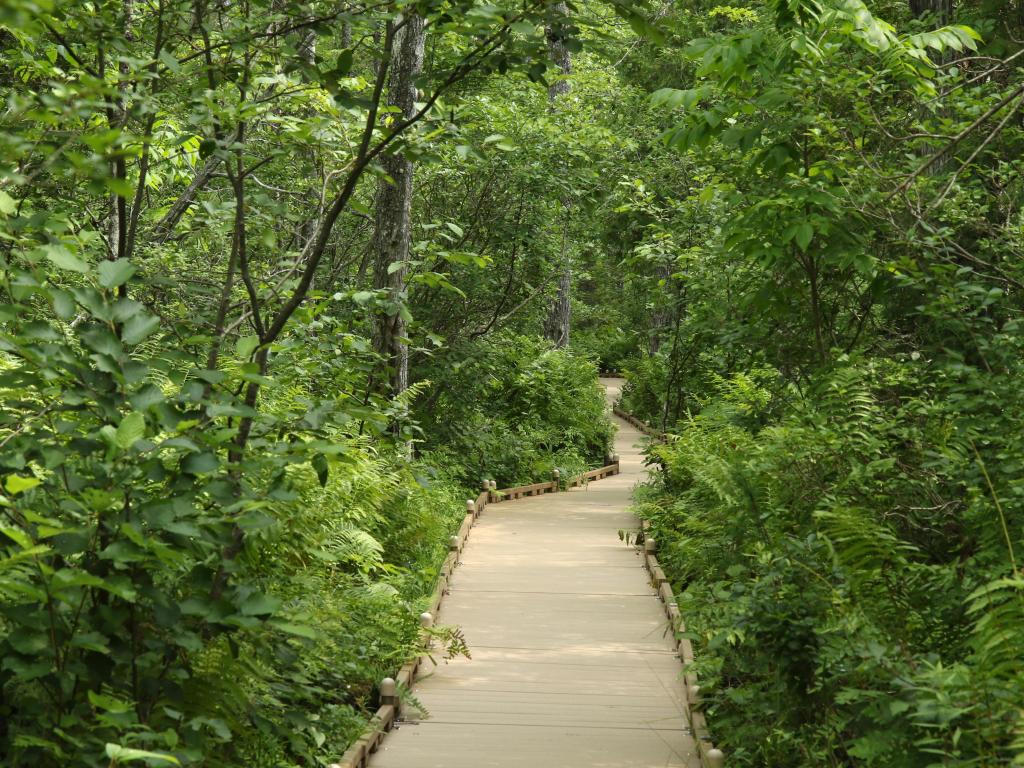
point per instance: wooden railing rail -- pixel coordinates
(710, 756)
(643, 426)
(390, 709)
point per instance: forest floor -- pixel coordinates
(571, 664)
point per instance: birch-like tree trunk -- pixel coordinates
(558, 323)
(661, 315)
(393, 209)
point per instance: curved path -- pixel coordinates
(572, 666)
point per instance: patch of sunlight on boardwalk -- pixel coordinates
(571, 664)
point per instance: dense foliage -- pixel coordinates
(831, 280)
(219, 522)
(281, 281)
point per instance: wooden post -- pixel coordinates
(426, 622)
(388, 692)
(693, 696)
(650, 548)
(471, 507)
(716, 758)
(615, 461)
(556, 479)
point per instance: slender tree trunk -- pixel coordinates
(559, 52)
(559, 320)
(560, 312)
(942, 9)
(661, 314)
(393, 211)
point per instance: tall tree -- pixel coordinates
(557, 325)
(393, 210)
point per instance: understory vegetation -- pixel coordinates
(834, 271)
(283, 281)
(233, 445)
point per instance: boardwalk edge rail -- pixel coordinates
(710, 756)
(358, 754)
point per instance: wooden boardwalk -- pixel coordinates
(571, 664)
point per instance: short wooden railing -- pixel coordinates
(390, 709)
(710, 756)
(643, 426)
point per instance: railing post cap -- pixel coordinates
(487, 485)
(388, 688)
(494, 485)
(556, 473)
(716, 758)
(426, 620)
(453, 541)
(650, 545)
(471, 505)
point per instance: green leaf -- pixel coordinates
(344, 65)
(8, 204)
(207, 147)
(322, 468)
(138, 327)
(259, 605)
(63, 304)
(17, 535)
(246, 345)
(299, 630)
(131, 429)
(62, 258)
(119, 754)
(199, 463)
(15, 484)
(804, 234)
(674, 97)
(28, 641)
(116, 273)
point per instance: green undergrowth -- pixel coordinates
(157, 605)
(514, 411)
(845, 559)
(356, 561)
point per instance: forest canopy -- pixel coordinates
(283, 281)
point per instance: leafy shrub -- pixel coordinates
(515, 411)
(848, 570)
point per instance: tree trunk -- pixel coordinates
(393, 210)
(559, 319)
(942, 9)
(661, 313)
(560, 314)
(556, 34)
